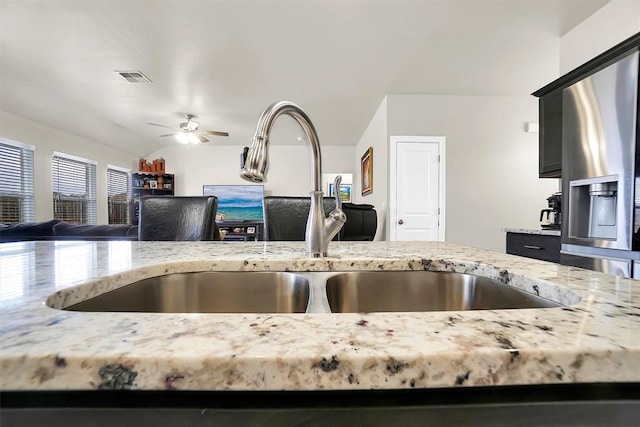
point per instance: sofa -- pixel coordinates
(56, 229)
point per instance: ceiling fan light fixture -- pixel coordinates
(183, 138)
(193, 138)
(188, 132)
(188, 137)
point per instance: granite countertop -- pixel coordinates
(594, 338)
(542, 231)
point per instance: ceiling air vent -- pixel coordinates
(134, 76)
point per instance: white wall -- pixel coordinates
(613, 23)
(47, 140)
(289, 170)
(375, 136)
(492, 163)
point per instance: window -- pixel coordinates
(74, 189)
(118, 190)
(16, 182)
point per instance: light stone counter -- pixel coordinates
(595, 338)
(532, 231)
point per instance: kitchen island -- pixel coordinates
(593, 338)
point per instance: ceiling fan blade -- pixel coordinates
(163, 126)
(213, 132)
(170, 134)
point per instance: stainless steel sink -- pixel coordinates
(319, 292)
(387, 291)
(207, 292)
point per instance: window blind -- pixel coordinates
(74, 189)
(118, 195)
(16, 183)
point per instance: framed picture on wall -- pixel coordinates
(366, 171)
(345, 192)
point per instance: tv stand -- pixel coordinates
(243, 231)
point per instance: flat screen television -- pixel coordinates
(237, 202)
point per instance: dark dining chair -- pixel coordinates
(285, 217)
(178, 218)
(362, 222)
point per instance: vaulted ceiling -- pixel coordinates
(226, 60)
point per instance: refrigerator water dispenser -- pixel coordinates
(594, 208)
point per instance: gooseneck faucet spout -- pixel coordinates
(320, 230)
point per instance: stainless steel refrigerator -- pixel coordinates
(601, 170)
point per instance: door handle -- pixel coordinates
(537, 248)
(400, 222)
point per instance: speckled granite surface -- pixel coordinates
(594, 338)
(532, 231)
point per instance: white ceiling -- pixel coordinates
(226, 60)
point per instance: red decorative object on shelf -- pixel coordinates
(156, 166)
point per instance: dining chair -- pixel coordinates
(285, 217)
(178, 218)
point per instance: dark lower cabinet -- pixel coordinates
(569, 405)
(538, 246)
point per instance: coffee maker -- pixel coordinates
(551, 218)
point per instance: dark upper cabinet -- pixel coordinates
(550, 106)
(550, 142)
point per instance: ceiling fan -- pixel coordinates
(188, 132)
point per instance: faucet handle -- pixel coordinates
(336, 191)
(336, 219)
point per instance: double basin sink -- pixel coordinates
(285, 292)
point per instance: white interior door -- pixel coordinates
(416, 211)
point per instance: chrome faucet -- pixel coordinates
(320, 230)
